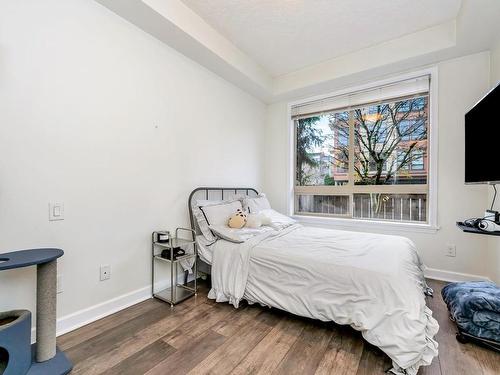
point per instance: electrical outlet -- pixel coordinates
(56, 211)
(105, 272)
(59, 284)
(451, 250)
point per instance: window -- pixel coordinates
(412, 129)
(415, 160)
(364, 155)
(408, 105)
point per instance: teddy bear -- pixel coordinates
(238, 220)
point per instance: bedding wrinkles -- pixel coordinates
(372, 282)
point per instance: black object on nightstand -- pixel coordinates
(178, 252)
(163, 236)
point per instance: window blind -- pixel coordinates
(406, 88)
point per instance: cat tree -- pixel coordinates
(44, 357)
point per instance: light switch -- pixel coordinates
(56, 211)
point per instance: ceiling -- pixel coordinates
(286, 35)
(280, 50)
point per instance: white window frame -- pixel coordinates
(367, 224)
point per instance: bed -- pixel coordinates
(372, 282)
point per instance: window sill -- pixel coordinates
(364, 225)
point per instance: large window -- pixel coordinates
(364, 155)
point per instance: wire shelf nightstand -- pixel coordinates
(176, 292)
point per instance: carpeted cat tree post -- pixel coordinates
(46, 304)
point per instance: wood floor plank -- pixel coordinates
(143, 360)
(433, 369)
(216, 338)
(119, 351)
(343, 353)
(232, 324)
(193, 328)
(278, 342)
(373, 361)
(190, 355)
(89, 331)
(328, 363)
(110, 338)
(306, 353)
(227, 356)
(488, 359)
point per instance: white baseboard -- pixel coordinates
(450, 276)
(90, 314)
(83, 317)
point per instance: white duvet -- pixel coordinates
(372, 282)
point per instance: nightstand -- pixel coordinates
(176, 291)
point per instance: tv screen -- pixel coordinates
(482, 140)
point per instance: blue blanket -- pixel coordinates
(475, 307)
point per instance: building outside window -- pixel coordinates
(364, 155)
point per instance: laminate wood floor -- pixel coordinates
(199, 336)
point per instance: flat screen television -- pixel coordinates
(482, 140)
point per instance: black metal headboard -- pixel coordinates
(215, 193)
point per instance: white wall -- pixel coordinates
(103, 117)
(461, 83)
(495, 63)
(494, 242)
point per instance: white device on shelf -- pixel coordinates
(488, 226)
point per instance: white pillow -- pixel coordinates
(254, 221)
(219, 213)
(256, 204)
(202, 207)
(265, 219)
(203, 225)
(277, 221)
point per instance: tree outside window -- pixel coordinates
(388, 148)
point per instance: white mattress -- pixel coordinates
(372, 282)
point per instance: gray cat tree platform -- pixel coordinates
(44, 357)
